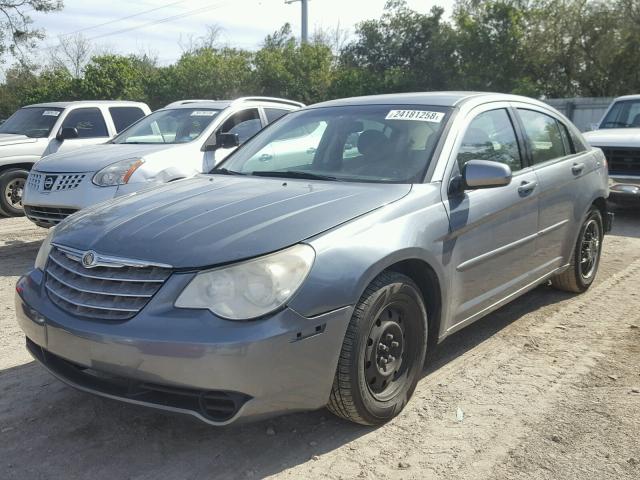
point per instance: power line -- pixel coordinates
(121, 19)
(161, 20)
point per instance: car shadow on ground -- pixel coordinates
(109, 438)
(17, 257)
(626, 222)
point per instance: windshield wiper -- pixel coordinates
(225, 171)
(294, 174)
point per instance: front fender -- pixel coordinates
(350, 256)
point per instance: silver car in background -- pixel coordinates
(319, 274)
(178, 141)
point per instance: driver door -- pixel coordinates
(91, 126)
(245, 123)
(492, 231)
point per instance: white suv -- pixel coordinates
(178, 141)
(37, 130)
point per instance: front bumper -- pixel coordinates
(177, 359)
(47, 208)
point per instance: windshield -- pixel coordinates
(624, 114)
(35, 122)
(370, 143)
(180, 125)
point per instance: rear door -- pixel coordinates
(491, 247)
(561, 167)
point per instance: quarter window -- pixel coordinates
(543, 135)
(88, 121)
(491, 136)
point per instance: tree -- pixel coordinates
(17, 34)
(285, 68)
(73, 53)
(112, 77)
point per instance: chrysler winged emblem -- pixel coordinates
(89, 259)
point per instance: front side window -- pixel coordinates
(491, 136)
(245, 124)
(623, 114)
(34, 122)
(125, 116)
(369, 143)
(170, 126)
(88, 121)
(543, 135)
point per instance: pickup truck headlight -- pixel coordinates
(45, 248)
(249, 289)
(117, 173)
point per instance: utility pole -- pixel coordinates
(304, 34)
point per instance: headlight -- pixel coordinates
(117, 173)
(250, 289)
(45, 248)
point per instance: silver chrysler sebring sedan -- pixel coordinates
(297, 275)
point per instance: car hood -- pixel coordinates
(614, 137)
(214, 219)
(13, 139)
(95, 157)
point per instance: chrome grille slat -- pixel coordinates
(113, 293)
(116, 274)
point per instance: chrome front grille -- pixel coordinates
(68, 181)
(33, 180)
(114, 292)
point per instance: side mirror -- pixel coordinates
(485, 174)
(67, 133)
(227, 140)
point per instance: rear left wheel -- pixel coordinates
(383, 352)
(12, 183)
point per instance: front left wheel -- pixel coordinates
(12, 183)
(383, 352)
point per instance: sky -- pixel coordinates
(244, 23)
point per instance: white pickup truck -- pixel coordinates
(618, 135)
(38, 130)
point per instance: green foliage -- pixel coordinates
(551, 48)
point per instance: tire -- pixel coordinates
(12, 184)
(372, 385)
(585, 257)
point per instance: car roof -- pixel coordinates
(439, 99)
(628, 97)
(87, 102)
(221, 104)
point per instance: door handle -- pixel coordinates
(265, 157)
(527, 187)
(577, 168)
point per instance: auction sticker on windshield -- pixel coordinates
(50, 113)
(203, 113)
(419, 115)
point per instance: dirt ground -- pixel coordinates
(545, 388)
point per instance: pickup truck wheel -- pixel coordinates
(383, 352)
(12, 184)
(585, 258)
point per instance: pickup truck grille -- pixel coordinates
(113, 293)
(623, 161)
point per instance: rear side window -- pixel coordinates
(274, 114)
(125, 116)
(491, 136)
(543, 135)
(88, 121)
